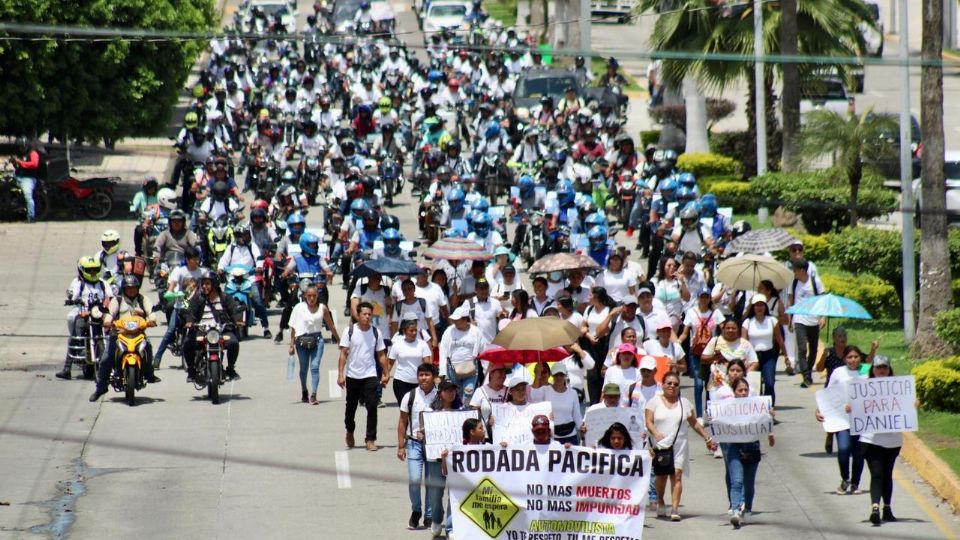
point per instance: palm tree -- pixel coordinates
(852, 140)
(827, 28)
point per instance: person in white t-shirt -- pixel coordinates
(649, 308)
(495, 391)
(408, 351)
(763, 332)
(567, 415)
(661, 345)
(565, 305)
(409, 302)
(433, 294)
(306, 340)
(624, 372)
(373, 291)
(459, 347)
(410, 444)
(616, 279)
(484, 311)
(361, 348)
(540, 299)
(646, 388)
(807, 327)
(578, 287)
(624, 316)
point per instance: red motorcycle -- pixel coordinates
(91, 197)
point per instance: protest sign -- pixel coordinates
(831, 402)
(738, 420)
(443, 429)
(547, 491)
(598, 420)
(882, 405)
(512, 422)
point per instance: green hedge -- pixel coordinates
(873, 293)
(731, 143)
(731, 193)
(947, 326)
(869, 250)
(938, 384)
(651, 136)
(706, 164)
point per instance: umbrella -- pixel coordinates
(385, 266)
(558, 262)
(761, 241)
(747, 271)
(830, 305)
(458, 249)
(497, 354)
(538, 334)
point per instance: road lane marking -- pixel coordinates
(342, 460)
(335, 391)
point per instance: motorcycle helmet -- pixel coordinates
(258, 216)
(261, 204)
(289, 177)
(546, 101)
(454, 233)
(740, 228)
(130, 282)
(384, 104)
(481, 224)
(210, 276)
(167, 199)
(241, 234)
(309, 128)
(110, 241)
(190, 120)
(220, 191)
(526, 185)
(434, 76)
(88, 269)
(687, 180)
(551, 169)
(493, 130)
(668, 190)
(389, 222)
(309, 244)
(685, 195)
(371, 220)
(454, 144)
(178, 215)
(708, 205)
(689, 217)
(443, 174)
(348, 148)
(597, 237)
(455, 199)
(670, 158)
(565, 193)
(296, 223)
(391, 242)
(595, 219)
(290, 94)
(482, 205)
(559, 152)
(357, 208)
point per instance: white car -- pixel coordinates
(286, 9)
(951, 170)
(446, 14)
(825, 93)
(873, 38)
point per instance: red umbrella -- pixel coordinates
(497, 354)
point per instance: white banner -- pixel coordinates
(738, 420)
(598, 420)
(528, 492)
(512, 422)
(832, 402)
(443, 429)
(882, 405)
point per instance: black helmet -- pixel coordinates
(210, 276)
(220, 191)
(389, 222)
(22, 145)
(130, 280)
(453, 145)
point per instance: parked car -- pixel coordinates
(621, 9)
(446, 14)
(890, 167)
(951, 171)
(285, 9)
(825, 93)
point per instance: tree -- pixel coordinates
(790, 97)
(108, 88)
(853, 140)
(934, 275)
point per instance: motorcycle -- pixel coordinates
(239, 287)
(532, 242)
(310, 180)
(493, 176)
(625, 194)
(86, 344)
(179, 303)
(12, 204)
(171, 260)
(209, 361)
(391, 178)
(127, 374)
(219, 237)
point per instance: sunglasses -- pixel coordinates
(796, 248)
(671, 384)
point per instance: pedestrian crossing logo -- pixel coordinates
(489, 508)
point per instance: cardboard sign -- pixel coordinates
(598, 420)
(831, 402)
(739, 420)
(443, 429)
(882, 405)
(512, 422)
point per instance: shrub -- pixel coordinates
(735, 194)
(730, 143)
(869, 250)
(717, 109)
(938, 384)
(649, 137)
(876, 295)
(704, 164)
(705, 184)
(947, 326)
(955, 287)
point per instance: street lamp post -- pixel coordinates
(760, 99)
(906, 180)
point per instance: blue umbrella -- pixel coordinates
(386, 266)
(830, 305)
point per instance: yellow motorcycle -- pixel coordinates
(127, 374)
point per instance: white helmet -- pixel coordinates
(167, 198)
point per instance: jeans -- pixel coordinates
(230, 343)
(367, 390)
(880, 461)
(169, 334)
(466, 386)
(259, 308)
(740, 476)
(110, 360)
(807, 337)
(768, 372)
(418, 468)
(848, 448)
(27, 185)
(693, 368)
(310, 359)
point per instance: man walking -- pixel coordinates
(361, 347)
(807, 327)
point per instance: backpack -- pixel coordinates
(413, 395)
(421, 301)
(702, 337)
(376, 338)
(793, 288)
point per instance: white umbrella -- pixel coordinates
(747, 271)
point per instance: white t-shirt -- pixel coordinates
(408, 356)
(361, 359)
(618, 326)
(641, 395)
(539, 306)
(421, 403)
(650, 319)
(566, 405)
(668, 292)
(694, 316)
(618, 284)
(801, 292)
(378, 299)
(435, 298)
(460, 346)
(672, 350)
(739, 348)
(484, 396)
(575, 373)
(423, 312)
(594, 317)
(485, 316)
(623, 378)
(575, 318)
(303, 321)
(759, 333)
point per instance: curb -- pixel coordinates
(932, 469)
(947, 55)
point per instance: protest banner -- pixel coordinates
(740, 419)
(882, 405)
(832, 402)
(598, 420)
(547, 491)
(512, 422)
(443, 429)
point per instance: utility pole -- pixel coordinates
(585, 27)
(907, 207)
(892, 29)
(761, 98)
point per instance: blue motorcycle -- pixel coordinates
(239, 287)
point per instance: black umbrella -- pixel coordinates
(385, 266)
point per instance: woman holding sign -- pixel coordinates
(741, 461)
(669, 417)
(763, 333)
(848, 446)
(445, 400)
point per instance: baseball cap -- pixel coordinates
(629, 299)
(705, 291)
(662, 323)
(758, 299)
(462, 312)
(644, 289)
(558, 368)
(540, 420)
(521, 376)
(648, 362)
(796, 242)
(409, 316)
(611, 389)
(881, 360)
(509, 269)
(627, 348)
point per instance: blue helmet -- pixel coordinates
(598, 237)
(391, 242)
(708, 205)
(668, 190)
(687, 180)
(455, 199)
(435, 75)
(595, 219)
(493, 129)
(525, 184)
(358, 207)
(685, 194)
(454, 233)
(296, 223)
(481, 224)
(482, 205)
(309, 244)
(565, 193)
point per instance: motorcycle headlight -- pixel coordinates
(213, 336)
(131, 326)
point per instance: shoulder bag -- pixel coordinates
(663, 462)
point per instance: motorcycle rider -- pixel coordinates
(570, 104)
(219, 203)
(309, 143)
(455, 161)
(87, 290)
(530, 151)
(385, 115)
(391, 245)
(661, 219)
(530, 200)
(179, 281)
(598, 250)
(211, 307)
(364, 237)
(455, 209)
(623, 157)
(26, 171)
(177, 238)
(693, 235)
(243, 252)
(129, 302)
(144, 206)
(484, 234)
(588, 149)
(261, 228)
(198, 149)
(325, 118)
(583, 72)
(307, 261)
(110, 256)
(566, 201)
(364, 124)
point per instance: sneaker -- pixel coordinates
(267, 334)
(156, 362)
(844, 487)
(804, 384)
(380, 405)
(313, 399)
(875, 515)
(789, 370)
(661, 511)
(349, 440)
(427, 522)
(735, 519)
(231, 374)
(153, 379)
(97, 394)
(303, 396)
(279, 337)
(888, 514)
(191, 376)
(372, 446)
(854, 489)
(414, 520)
(436, 530)
(675, 516)
(718, 454)
(65, 375)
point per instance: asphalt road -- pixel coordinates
(263, 465)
